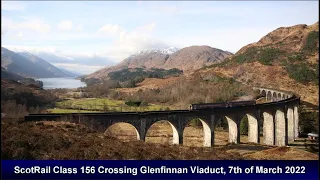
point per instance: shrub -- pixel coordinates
(133, 103)
(268, 55)
(90, 81)
(221, 123)
(225, 62)
(240, 58)
(308, 121)
(128, 84)
(195, 122)
(311, 42)
(302, 73)
(244, 125)
(248, 56)
(264, 55)
(296, 57)
(26, 96)
(111, 84)
(144, 103)
(14, 110)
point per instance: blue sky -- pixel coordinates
(115, 30)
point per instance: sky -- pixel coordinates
(96, 34)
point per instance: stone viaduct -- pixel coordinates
(277, 119)
(273, 94)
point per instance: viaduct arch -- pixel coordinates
(278, 118)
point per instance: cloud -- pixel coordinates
(33, 24)
(12, 6)
(30, 48)
(81, 68)
(134, 41)
(232, 42)
(20, 35)
(148, 28)
(69, 65)
(79, 27)
(4, 30)
(65, 25)
(129, 42)
(168, 9)
(36, 26)
(111, 29)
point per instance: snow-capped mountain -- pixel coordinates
(169, 50)
(186, 59)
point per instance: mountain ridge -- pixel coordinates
(169, 50)
(29, 65)
(148, 59)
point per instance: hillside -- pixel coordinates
(286, 58)
(29, 95)
(61, 140)
(195, 57)
(29, 65)
(186, 59)
(5, 75)
(148, 58)
(8, 75)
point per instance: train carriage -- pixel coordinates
(241, 103)
(220, 105)
(208, 106)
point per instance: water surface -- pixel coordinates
(54, 83)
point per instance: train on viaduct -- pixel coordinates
(277, 119)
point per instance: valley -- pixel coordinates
(161, 80)
(104, 105)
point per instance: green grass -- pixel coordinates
(91, 101)
(69, 111)
(104, 104)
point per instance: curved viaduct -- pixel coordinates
(277, 119)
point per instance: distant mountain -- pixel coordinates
(70, 73)
(56, 72)
(169, 50)
(186, 59)
(195, 57)
(28, 65)
(59, 57)
(150, 58)
(53, 57)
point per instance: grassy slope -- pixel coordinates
(100, 103)
(58, 110)
(57, 140)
